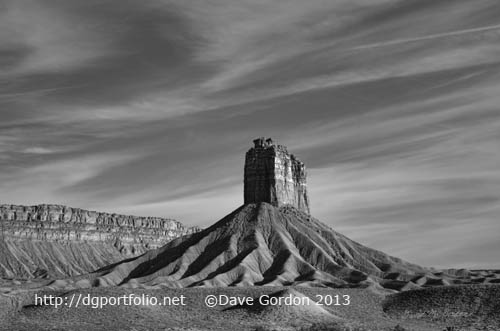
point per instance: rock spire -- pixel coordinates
(274, 176)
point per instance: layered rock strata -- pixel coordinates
(274, 176)
(66, 241)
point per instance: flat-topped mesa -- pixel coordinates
(274, 176)
(56, 241)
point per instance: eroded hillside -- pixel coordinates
(55, 240)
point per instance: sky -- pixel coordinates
(147, 108)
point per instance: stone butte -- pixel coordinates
(274, 176)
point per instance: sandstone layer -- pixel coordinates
(275, 176)
(55, 240)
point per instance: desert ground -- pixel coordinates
(463, 307)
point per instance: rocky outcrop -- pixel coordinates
(68, 241)
(274, 176)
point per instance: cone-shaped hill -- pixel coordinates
(257, 244)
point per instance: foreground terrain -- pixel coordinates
(464, 307)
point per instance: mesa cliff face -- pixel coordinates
(67, 241)
(274, 176)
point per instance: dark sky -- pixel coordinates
(147, 108)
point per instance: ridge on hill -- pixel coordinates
(56, 241)
(257, 244)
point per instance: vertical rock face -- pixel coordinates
(274, 176)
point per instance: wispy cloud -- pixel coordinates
(38, 150)
(47, 38)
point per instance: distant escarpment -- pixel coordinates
(55, 240)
